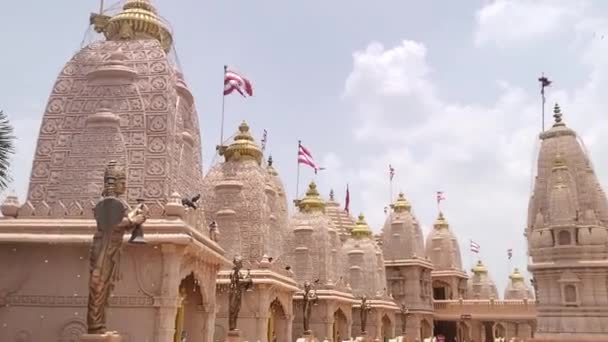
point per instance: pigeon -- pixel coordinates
(191, 203)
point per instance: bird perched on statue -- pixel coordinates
(191, 202)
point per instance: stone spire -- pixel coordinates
(517, 288)
(138, 19)
(567, 236)
(401, 233)
(442, 246)
(481, 285)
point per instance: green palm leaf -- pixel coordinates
(7, 148)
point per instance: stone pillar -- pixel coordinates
(167, 302)
(209, 323)
(378, 319)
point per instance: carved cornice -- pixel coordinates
(76, 301)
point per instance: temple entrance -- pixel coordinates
(441, 290)
(487, 327)
(190, 319)
(500, 331)
(426, 329)
(445, 328)
(387, 328)
(340, 326)
(277, 323)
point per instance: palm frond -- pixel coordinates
(7, 149)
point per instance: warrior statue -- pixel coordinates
(310, 297)
(404, 313)
(113, 217)
(365, 308)
(238, 283)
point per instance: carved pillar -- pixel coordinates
(263, 312)
(378, 319)
(168, 300)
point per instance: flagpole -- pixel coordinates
(223, 106)
(298, 173)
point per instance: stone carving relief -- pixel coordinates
(23, 336)
(72, 331)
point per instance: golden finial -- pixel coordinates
(361, 228)
(401, 204)
(440, 222)
(479, 268)
(243, 147)
(312, 201)
(137, 20)
(516, 275)
(557, 114)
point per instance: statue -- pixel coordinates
(310, 297)
(238, 282)
(113, 217)
(365, 308)
(404, 313)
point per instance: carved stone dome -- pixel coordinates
(364, 262)
(442, 247)
(401, 235)
(517, 288)
(117, 100)
(242, 197)
(316, 252)
(480, 284)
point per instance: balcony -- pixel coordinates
(455, 310)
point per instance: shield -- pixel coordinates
(109, 212)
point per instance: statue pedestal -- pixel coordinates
(110, 336)
(233, 336)
(364, 338)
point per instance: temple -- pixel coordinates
(315, 272)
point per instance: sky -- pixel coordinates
(445, 91)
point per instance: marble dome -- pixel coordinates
(317, 252)
(242, 197)
(364, 262)
(517, 288)
(480, 284)
(442, 247)
(401, 235)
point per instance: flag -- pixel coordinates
(440, 197)
(234, 81)
(264, 140)
(475, 247)
(347, 200)
(391, 171)
(510, 253)
(305, 157)
(544, 82)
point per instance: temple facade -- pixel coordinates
(123, 98)
(567, 240)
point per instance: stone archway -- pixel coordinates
(340, 326)
(500, 331)
(387, 328)
(426, 329)
(464, 331)
(191, 318)
(277, 322)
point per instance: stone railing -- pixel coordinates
(487, 309)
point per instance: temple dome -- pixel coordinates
(517, 288)
(480, 284)
(316, 251)
(116, 99)
(566, 194)
(242, 197)
(341, 219)
(364, 262)
(401, 235)
(442, 247)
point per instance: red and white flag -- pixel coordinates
(391, 171)
(233, 81)
(305, 157)
(510, 253)
(475, 247)
(440, 197)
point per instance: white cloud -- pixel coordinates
(482, 156)
(506, 23)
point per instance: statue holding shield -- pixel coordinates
(114, 217)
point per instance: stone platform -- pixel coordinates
(110, 336)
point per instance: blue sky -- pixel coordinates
(446, 92)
